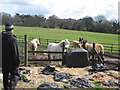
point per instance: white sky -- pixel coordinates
(75, 9)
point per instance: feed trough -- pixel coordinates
(77, 58)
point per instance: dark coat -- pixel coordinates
(10, 53)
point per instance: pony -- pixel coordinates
(33, 45)
(75, 44)
(97, 49)
(58, 47)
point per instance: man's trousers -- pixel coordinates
(10, 80)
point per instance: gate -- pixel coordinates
(21, 47)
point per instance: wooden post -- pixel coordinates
(93, 52)
(26, 50)
(40, 41)
(111, 48)
(55, 41)
(63, 54)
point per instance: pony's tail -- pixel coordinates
(102, 52)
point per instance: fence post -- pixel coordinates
(55, 41)
(111, 48)
(93, 52)
(63, 54)
(40, 41)
(26, 50)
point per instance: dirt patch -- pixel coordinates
(112, 60)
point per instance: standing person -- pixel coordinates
(10, 58)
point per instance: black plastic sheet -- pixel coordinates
(62, 77)
(48, 70)
(80, 83)
(96, 67)
(49, 86)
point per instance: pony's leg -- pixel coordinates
(33, 53)
(102, 59)
(98, 57)
(35, 50)
(53, 56)
(49, 56)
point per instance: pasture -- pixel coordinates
(60, 34)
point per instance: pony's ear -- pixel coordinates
(66, 39)
(39, 39)
(80, 39)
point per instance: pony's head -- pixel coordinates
(66, 42)
(37, 41)
(83, 43)
(76, 44)
(81, 39)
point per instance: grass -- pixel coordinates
(60, 34)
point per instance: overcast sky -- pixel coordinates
(75, 9)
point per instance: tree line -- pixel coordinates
(96, 24)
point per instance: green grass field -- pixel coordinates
(60, 34)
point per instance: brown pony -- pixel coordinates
(97, 49)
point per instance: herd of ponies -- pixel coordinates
(81, 43)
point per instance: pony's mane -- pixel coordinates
(36, 40)
(61, 42)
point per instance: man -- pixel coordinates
(10, 58)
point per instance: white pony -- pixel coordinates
(33, 45)
(58, 47)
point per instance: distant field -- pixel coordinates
(59, 34)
